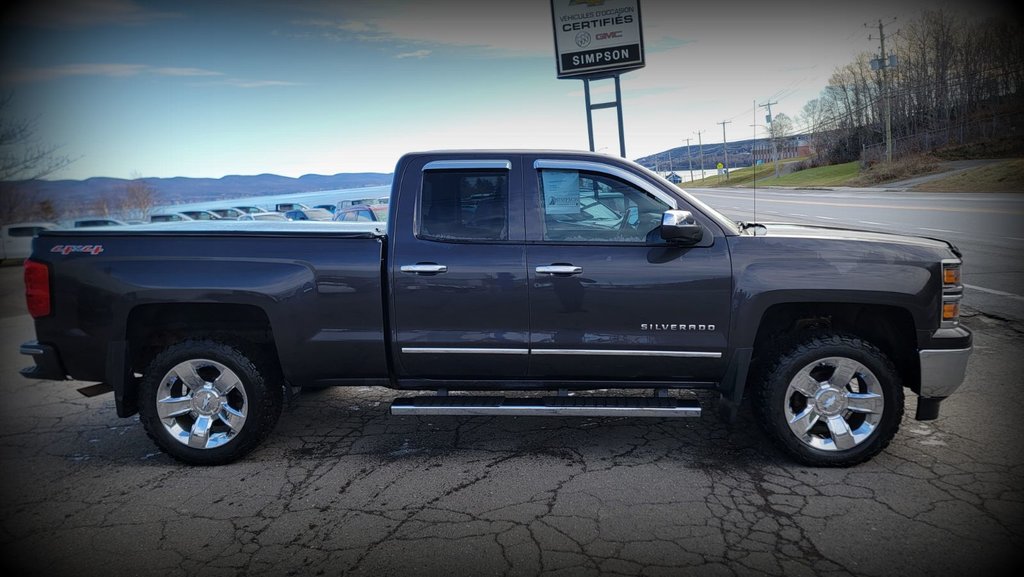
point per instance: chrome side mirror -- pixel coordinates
(680, 226)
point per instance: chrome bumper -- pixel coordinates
(48, 365)
(942, 371)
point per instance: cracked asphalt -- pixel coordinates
(342, 488)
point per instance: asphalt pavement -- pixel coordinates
(343, 488)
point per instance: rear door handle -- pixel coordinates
(560, 269)
(424, 268)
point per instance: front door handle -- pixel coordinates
(560, 269)
(423, 268)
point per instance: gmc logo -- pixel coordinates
(608, 35)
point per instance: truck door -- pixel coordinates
(611, 300)
(458, 270)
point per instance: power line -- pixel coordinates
(771, 135)
(700, 146)
(883, 64)
(689, 160)
(725, 147)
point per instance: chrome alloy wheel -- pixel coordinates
(834, 404)
(202, 403)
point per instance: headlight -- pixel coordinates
(952, 292)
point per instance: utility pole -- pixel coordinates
(725, 147)
(700, 149)
(771, 136)
(883, 63)
(689, 159)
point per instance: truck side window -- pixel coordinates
(464, 205)
(591, 207)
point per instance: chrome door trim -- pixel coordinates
(483, 164)
(622, 353)
(586, 352)
(464, 350)
(609, 170)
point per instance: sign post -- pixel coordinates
(594, 40)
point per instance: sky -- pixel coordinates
(164, 88)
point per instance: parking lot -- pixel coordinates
(341, 487)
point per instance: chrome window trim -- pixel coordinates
(484, 164)
(623, 353)
(615, 171)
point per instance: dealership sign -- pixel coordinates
(597, 37)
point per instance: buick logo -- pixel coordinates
(583, 39)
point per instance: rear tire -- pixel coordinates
(830, 400)
(206, 402)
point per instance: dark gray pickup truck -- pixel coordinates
(506, 271)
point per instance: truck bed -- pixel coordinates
(319, 285)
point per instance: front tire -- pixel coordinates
(831, 400)
(206, 402)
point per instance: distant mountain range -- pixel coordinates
(177, 190)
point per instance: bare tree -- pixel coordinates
(47, 211)
(814, 118)
(100, 206)
(23, 158)
(139, 197)
(781, 126)
(16, 205)
(951, 80)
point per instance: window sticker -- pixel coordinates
(561, 191)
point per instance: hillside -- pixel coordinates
(741, 153)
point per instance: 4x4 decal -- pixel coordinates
(66, 249)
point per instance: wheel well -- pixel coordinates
(889, 328)
(152, 328)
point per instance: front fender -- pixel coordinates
(762, 285)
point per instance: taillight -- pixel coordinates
(37, 288)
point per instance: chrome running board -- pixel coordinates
(560, 406)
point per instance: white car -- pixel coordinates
(95, 221)
(250, 209)
(263, 216)
(170, 217)
(309, 214)
(17, 238)
(201, 214)
(230, 212)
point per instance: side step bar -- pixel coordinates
(547, 406)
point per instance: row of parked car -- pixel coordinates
(350, 211)
(16, 239)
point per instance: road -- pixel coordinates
(342, 488)
(988, 228)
